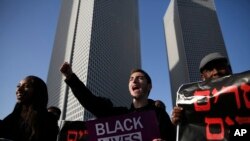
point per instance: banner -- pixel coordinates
(217, 109)
(137, 126)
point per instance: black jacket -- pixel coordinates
(103, 107)
(15, 128)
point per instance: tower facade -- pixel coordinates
(100, 39)
(192, 31)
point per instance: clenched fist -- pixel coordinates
(66, 69)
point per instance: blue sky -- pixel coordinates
(27, 30)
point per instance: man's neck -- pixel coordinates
(138, 103)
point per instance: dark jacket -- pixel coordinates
(103, 107)
(14, 127)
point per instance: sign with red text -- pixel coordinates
(212, 108)
(73, 131)
(138, 126)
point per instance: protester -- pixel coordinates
(160, 104)
(139, 87)
(30, 120)
(56, 113)
(212, 66)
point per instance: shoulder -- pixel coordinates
(158, 104)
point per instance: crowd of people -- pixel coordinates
(32, 120)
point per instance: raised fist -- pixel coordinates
(66, 69)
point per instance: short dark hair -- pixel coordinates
(55, 111)
(145, 74)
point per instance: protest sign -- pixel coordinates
(213, 108)
(138, 126)
(73, 131)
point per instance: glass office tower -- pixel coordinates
(192, 30)
(100, 39)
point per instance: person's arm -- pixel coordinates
(98, 106)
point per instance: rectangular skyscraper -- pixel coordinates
(192, 31)
(100, 38)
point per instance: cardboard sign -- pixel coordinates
(215, 109)
(138, 126)
(73, 131)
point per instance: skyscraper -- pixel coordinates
(192, 31)
(100, 39)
